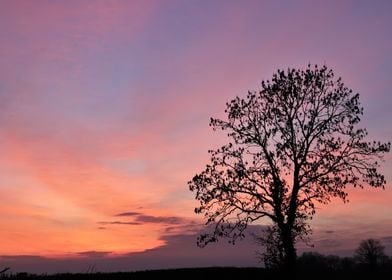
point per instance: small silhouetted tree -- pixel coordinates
(293, 143)
(370, 252)
(270, 240)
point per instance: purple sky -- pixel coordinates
(104, 110)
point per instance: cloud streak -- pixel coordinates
(172, 220)
(94, 254)
(127, 214)
(142, 219)
(120, 223)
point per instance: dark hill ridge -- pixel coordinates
(224, 273)
(181, 273)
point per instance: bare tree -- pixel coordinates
(291, 144)
(370, 252)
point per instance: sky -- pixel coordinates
(104, 113)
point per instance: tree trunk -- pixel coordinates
(289, 249)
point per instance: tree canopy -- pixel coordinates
(370, 252)
(292, 144)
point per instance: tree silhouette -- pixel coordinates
(370, 252)
(291, 144)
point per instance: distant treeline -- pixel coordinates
(335, 267)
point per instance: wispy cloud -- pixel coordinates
(94, 254)
(119, 223)
(127, 214)
(140, 218)
(173, 220)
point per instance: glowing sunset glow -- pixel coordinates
(105, 105)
